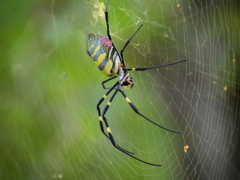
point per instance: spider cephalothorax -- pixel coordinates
(107, 58)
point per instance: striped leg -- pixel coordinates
(137, 111)
(109, 131)
(104, 112)
(105, 119)
(154, 67)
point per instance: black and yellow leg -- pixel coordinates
(154, 67)
(137, 111)
(109, 136)
(110, 133)
(105, 119)
(99, 110)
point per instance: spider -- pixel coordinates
(107, 58)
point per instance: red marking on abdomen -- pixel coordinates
(106, 43)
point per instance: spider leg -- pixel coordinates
(128, 41)
(100, 116)
(107, 81)
(109, 131)
(146, 68)
(106, 17)
(137, 111)
(138, 159)
(109, 34)
(99, 110)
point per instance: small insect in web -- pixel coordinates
(107, 58)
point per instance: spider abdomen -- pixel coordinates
(104, 54)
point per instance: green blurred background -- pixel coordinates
(50, 87)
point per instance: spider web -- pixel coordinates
(50, 88)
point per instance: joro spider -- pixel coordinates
(107, 58)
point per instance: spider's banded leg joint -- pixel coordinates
(98, 105)
(137, 111)
(101, 100)
(128, 100)
(100, 118)
(113, 141)
(108, 130)
(131, 104)
(106, 108)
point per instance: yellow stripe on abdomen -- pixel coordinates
(100, 58)
(109, 67)
(95, 51)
